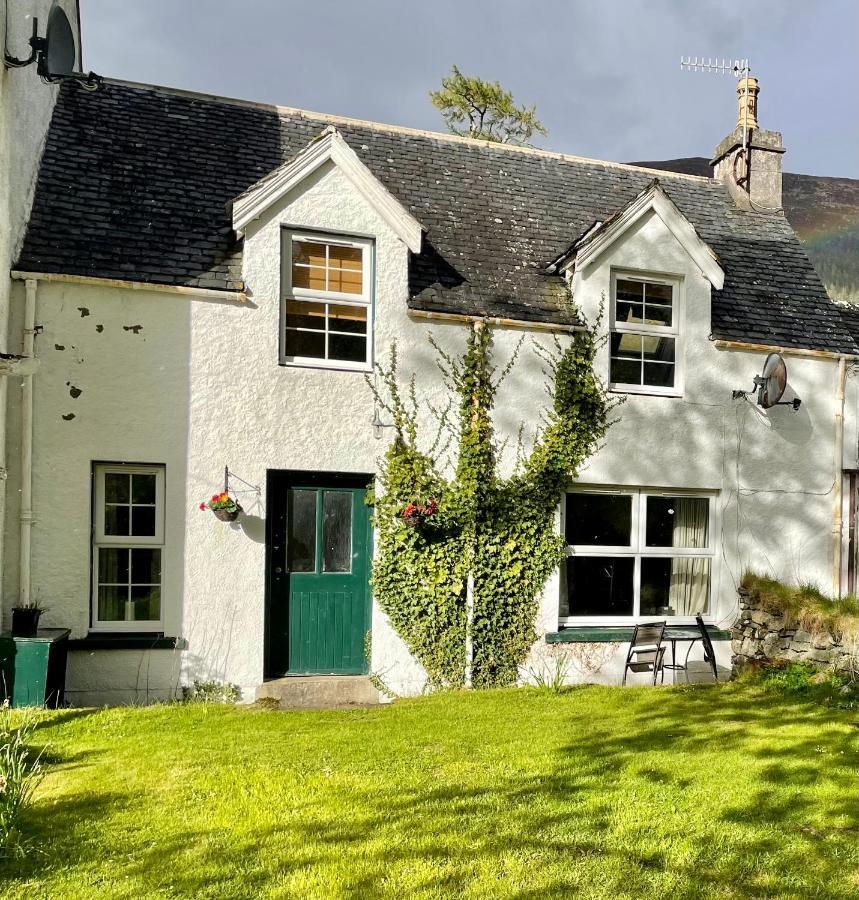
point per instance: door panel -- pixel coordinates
(319, 610)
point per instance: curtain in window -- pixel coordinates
(690, 576)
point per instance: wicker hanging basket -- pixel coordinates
(227, 515)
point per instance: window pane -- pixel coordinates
(146, 566)
(311, 278)
(345, 257)
(625, 371)
(143, 489)
(336, 532)
(347, 349)
(344, 280)
(659, 293)
(301, 531)
(309, 253)
(146, 603)
(305, 343)
(112, 565)
(111, 603)
(632, 291)
(629, 313)
(659, 374)
(347, 318)
(116, 487)
(116, 520)
(658, 315)
(599, 519)
(678, 586)
(657, 348)
(678, 522)
(301, 314)
(143, 521)
(600, 585)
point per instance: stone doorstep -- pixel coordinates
(320, 691)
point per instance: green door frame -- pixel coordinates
(277, 625)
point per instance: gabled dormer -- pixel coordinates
(328, 147)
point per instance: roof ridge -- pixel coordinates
(404, 129)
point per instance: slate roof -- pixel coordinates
(135, 183)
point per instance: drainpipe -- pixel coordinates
(28, 350)
(837, 524)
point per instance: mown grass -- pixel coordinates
(703, 791)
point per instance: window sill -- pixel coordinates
(644, 391)
(131, 641)
(325, 366)
(595, 634)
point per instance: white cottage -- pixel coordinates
(210, 280)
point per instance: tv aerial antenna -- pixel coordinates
(770, 385)
(740, 69)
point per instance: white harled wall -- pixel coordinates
(26, 104)
(194, 383)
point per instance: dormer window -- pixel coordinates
(644, 335)
(327, 301)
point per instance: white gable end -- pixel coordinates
(330, 147)
(655, 200)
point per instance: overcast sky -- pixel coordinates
(604, 74)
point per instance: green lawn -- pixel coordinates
(703, 791)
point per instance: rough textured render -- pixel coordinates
(136, 182)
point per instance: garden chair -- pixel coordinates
(646, 651)
(709, 655)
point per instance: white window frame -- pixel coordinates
(100, 539)
(675, 330)
(333, 298)
(638, 549)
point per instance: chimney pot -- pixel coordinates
(748, 90)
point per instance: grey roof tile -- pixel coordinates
(135, 183)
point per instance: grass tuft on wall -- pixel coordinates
(804, 606)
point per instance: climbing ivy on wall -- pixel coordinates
(462, 590)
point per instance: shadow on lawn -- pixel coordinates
(560, 813)
(450, 828)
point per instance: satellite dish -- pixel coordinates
(55, 54)
(60, 53)
(772, 381)
(770, 384)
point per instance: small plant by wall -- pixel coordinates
(462, 590)
(211, 692)
(20, 774)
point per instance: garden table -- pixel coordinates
(684, 634)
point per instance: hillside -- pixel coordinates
(824, 213)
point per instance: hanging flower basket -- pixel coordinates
(225, 508)
(415, 514)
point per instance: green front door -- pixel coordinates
(319, 612)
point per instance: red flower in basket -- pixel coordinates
(415, 514)
(223, 506)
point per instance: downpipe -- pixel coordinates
(837, 519)
(26, 515)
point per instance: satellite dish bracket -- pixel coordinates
(39, 55)
(760, 383)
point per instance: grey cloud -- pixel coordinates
(605, 75)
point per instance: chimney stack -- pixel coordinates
(752, 175)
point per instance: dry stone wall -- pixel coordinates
(761, 636)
